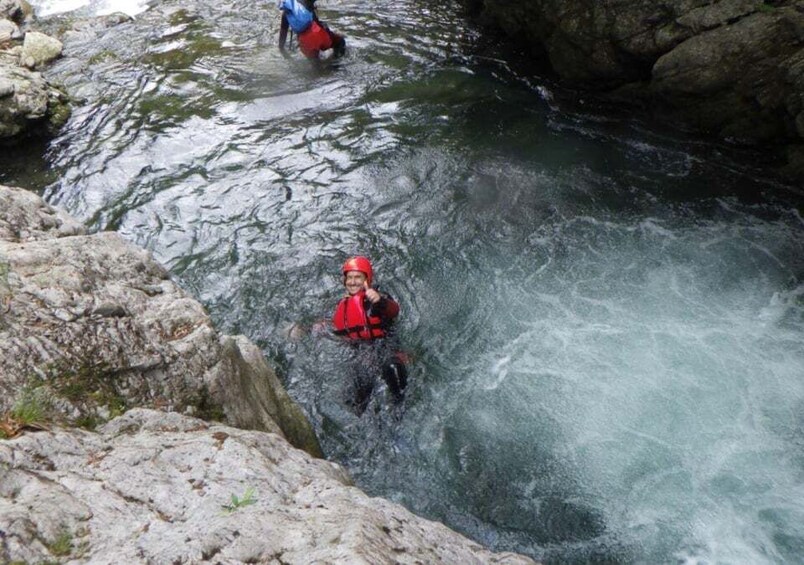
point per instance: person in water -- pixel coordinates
(313, 35)
(365, 317)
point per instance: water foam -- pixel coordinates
(45, 8)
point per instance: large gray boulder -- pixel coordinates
(154, 487)
(732, 68)
(91, 325)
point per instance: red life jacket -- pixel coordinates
(353, 321)
(313, 40)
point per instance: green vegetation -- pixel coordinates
(88, 385)
(180, 17)
(172, 107)
(59, 113)
(29, 411)
(766, 8)
(87, 421)
(103, 56)
(237, 503)
(30, 408)
(62, 546)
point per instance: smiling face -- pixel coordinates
(354, 281)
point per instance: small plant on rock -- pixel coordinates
(62, 545)
(237, 503)
(27, 413)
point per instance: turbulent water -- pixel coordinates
(606, 320)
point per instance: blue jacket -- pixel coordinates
(298, 16)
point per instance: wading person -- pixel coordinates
(365, 318)
(313, 35)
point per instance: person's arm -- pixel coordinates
(283, 34)
(389, 306)
(386, 307)
(381, 303)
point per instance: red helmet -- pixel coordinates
(360, 264)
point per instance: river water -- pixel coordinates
(605, 319)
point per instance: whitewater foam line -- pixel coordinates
(95, 7)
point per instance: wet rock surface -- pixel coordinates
(730, 68)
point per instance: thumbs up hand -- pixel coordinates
(372, 295)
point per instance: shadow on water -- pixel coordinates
(23, 164)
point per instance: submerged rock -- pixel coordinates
(90, 325)
(152, 487)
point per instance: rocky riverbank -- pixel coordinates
(135, 432)
(155, 487)
(733, 69)
(91, 326)
(29, 105)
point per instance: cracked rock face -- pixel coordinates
(153, 487)
(91, 325)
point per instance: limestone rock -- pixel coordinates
(8, 31)
(39, 49)
(27, 102)
(94, 326)
(153, 487)
(26, 217)
(29, 105)
(249, 382)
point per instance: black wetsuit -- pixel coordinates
(380, 355)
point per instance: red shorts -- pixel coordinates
(314, 40)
